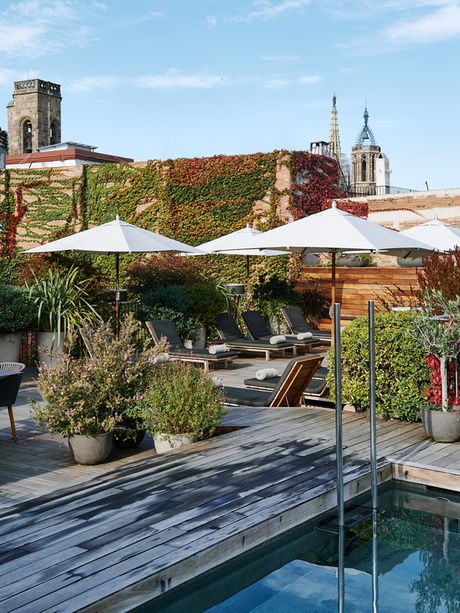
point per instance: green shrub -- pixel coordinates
(207, 303)
(180, 399)
(400, 364)
(271, 293)
(91, 395)
(17, 311)
(187, 327)
(169, 296)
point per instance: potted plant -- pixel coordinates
(181, 405)
(17, 312)
(60, 299)
(437, 326)
(86, 400)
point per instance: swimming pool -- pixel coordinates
(416, 562)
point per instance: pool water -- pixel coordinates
(413, 547)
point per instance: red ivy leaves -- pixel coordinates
(12, 220)
(315, 183)
(433, 393)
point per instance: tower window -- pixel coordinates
(54, 132)
(363, 170)
(27, 137)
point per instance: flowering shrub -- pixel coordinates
(433, 392)
(181, 399)
(91, 395)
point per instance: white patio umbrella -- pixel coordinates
(439, 235)
(335, 231)
(228, 245)
(115, 237)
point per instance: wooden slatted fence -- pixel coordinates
(355, 286)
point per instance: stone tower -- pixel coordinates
(370, 167)
(34, 116)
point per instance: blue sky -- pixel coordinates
(157, 79)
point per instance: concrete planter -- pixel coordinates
(164, 442)
(90, 449)
(441, 426)
(10, 347)
(47, 343)
(200, 342)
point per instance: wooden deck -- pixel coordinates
(110, 537)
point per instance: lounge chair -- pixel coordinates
(259, 330)
(235, 339)
(317, 388)
(296, 321)
(164, 328)
(10, 380)
(288, 391)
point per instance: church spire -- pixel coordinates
(366, 136)
(334, 135)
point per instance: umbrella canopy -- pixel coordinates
(114, 237)
(440, 236)
(228, 244)
(333, 231)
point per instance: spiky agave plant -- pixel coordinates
(61, 301)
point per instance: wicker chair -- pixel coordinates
(10, 380)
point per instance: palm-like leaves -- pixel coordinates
(61, 301)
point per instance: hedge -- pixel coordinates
(402, 374)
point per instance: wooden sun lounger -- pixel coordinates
(235, 339)
(164, 328)
(288, 391)
(260, 331)
(296, 321)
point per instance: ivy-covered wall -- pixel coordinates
(192, 200)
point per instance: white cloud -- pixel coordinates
(174, 79)
(443, 24)
(34, 28)
(211, 20)
(103, 82)
(270, 9)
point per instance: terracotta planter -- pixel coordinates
(441, 426)
(164, 442)
(10, 347)
(47, 343)
(90, 449)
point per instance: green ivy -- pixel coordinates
(192, 200)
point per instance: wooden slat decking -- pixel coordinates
(109, 537)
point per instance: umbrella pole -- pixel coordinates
(247, 267)
(117, 294)
(333, 278)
